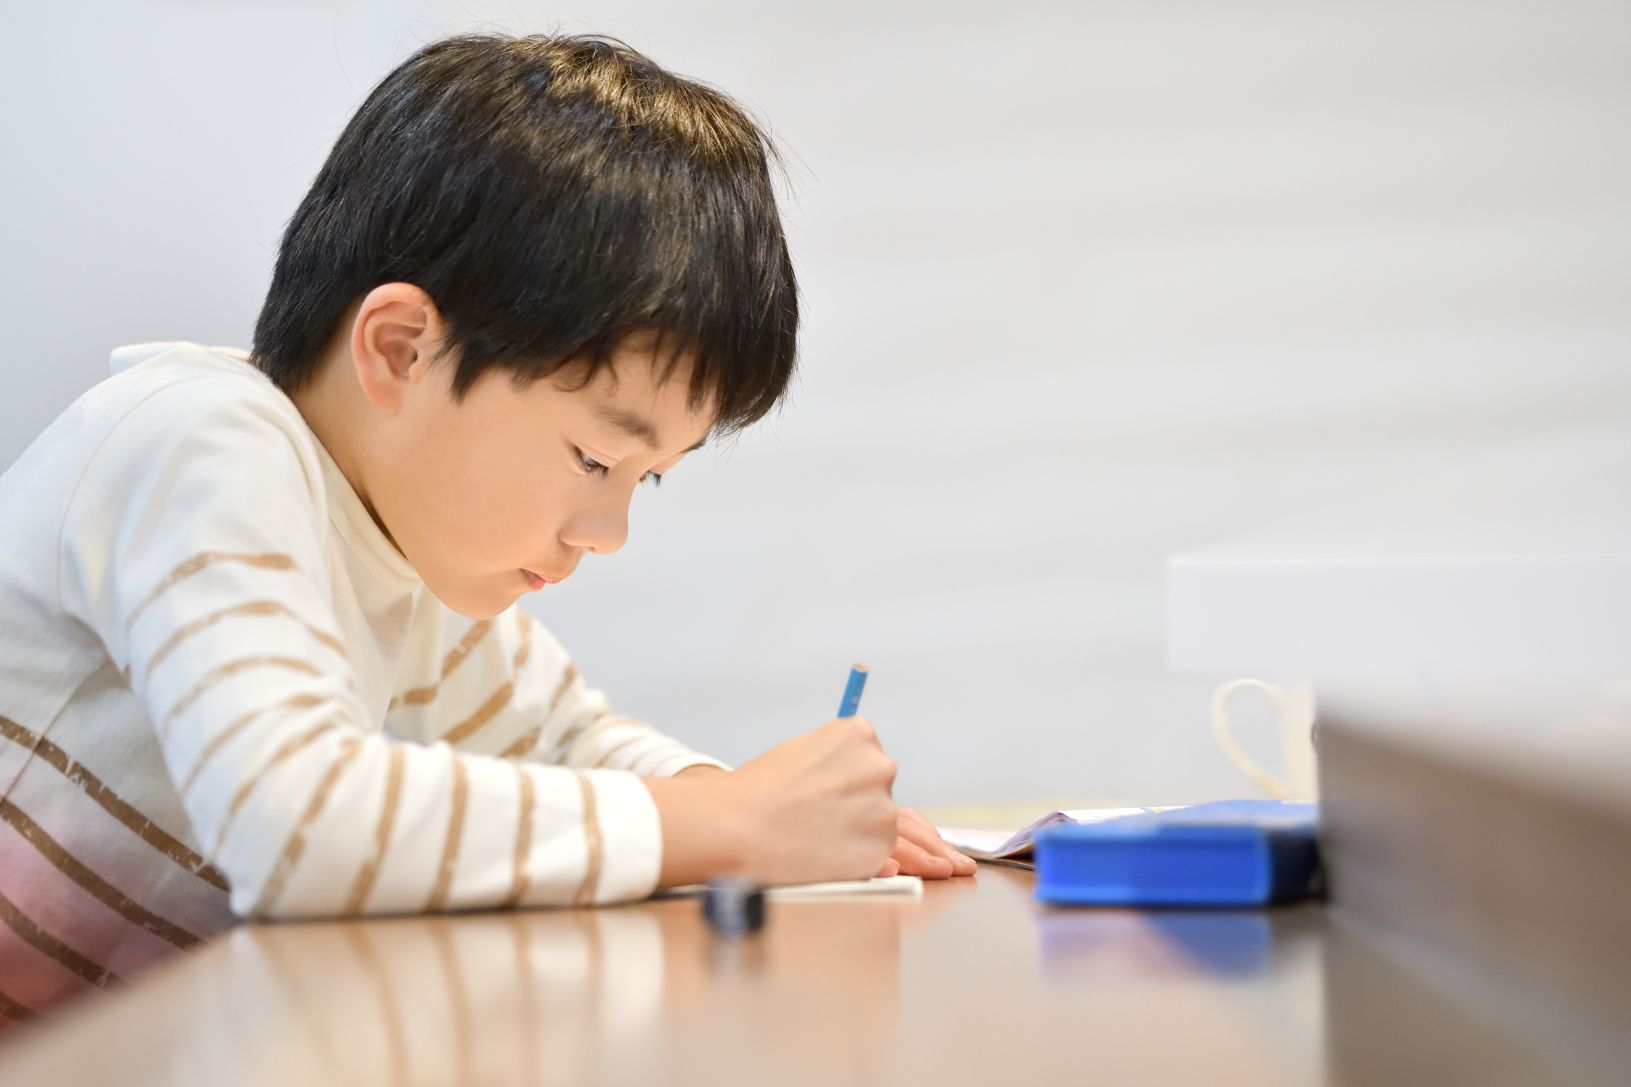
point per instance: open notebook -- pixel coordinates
(1014, 846)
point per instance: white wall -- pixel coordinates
(1085, 284)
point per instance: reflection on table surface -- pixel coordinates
(975, 982)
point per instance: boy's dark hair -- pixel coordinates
(552, 195)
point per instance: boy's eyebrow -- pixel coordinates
(636, 426)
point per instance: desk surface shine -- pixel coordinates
(975, 982)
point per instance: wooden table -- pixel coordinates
(974, 983)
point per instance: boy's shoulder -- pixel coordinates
(178, 436)
(159, 399)
(184, 373)
(167, 389)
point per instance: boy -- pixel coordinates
(262, 653)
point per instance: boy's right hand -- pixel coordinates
(816, 807)
(821, 803)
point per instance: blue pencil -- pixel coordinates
(852, 691)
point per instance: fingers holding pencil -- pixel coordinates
(919, 850)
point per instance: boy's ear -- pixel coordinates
(395, 337)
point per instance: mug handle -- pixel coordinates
(1264, 780)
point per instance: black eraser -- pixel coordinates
(734, 906)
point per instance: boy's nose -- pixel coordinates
(601, 531)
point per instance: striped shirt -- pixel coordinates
(224, 692)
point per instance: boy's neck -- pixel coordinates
(337, 412)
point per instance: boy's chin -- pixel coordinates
(473, 602)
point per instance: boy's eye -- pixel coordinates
(595, 468)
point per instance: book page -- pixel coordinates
(998, 844)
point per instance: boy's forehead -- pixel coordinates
(635, 425)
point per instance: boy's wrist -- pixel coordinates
(702, 827)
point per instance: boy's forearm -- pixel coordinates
(702, 833)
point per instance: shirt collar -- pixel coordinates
(359, 530)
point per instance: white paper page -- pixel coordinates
(991, 844)
(1102, 815)
(975, 841)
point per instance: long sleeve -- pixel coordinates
(194, 547)
(505, 686)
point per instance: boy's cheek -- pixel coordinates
(476, 595)
(470, 542)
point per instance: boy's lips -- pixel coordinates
(537, 581)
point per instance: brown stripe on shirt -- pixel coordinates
(486, 712)
(139, 824)
(109, 895)
(450, 846)
(220, 740)
(382, 834)
(455, 656)
(523, 839)
(592, 843)
(567, 677)
(525, 649)
(198, 562)
(253, 607)
(226, 671)
(14, 1010)
(51, 947)
(289, 747)
(497, 700)
(295, 845)
(526, 740)
(523, 743)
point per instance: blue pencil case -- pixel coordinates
(1225, 853)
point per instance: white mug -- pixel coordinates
(1294, 704)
